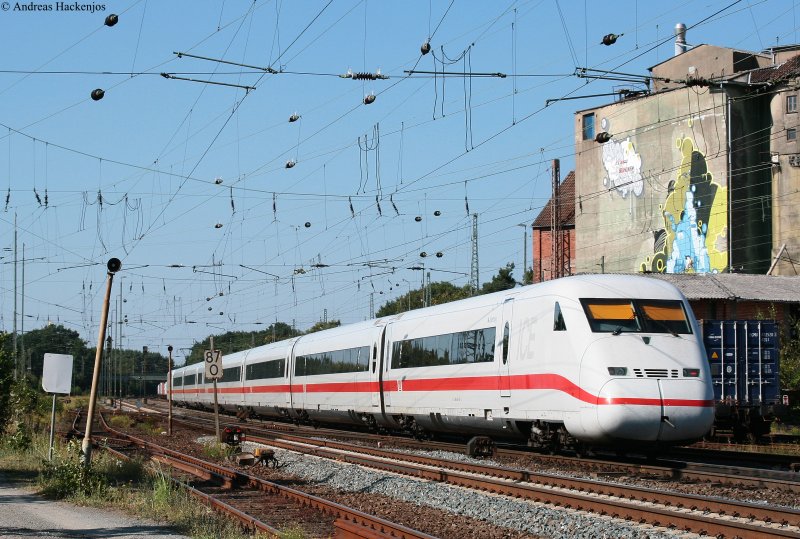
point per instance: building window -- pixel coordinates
(791, 134)
(588, 126)
(791, 103)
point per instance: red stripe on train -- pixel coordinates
(523, 382)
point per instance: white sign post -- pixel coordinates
(213, 361)
(56, 378)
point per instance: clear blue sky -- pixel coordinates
(134, 175)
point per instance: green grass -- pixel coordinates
(109, 483)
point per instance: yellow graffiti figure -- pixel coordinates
(695, 213)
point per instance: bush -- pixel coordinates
(120, 421)
(218, 450)
(66, 477)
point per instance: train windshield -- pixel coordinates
(636, 315)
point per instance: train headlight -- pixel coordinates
(618, 371)
(691, 373)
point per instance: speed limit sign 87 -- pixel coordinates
(213, 361)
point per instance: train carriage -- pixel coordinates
(230, 397)
(266, 389)
(332, 374)
(587, 359)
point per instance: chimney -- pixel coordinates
(680, 38)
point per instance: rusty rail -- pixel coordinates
(632, 503)
(350, 520)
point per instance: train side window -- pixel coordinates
(506, 331)
(558, 319)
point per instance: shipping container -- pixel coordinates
(743, 356)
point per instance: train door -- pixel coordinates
(293, 400)
(505, 343)
(376, 371)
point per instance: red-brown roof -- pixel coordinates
(790, 68)
(566, 205)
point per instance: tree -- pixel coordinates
(319, 326)
(790, 358)
(441, 292)
(504, 280)
(235, 341)
(527, 278)
(6, 381)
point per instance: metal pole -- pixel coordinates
(24, 362)
(86, 448)
(169, 391)
(14, 337)
(216, 406)
(141, 385)
(52, 428)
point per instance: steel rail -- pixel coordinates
(631, 504)
(372, 526)
(213, 502)
(690, 471)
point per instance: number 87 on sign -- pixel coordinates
(213, 361)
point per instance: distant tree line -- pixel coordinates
(56, 339)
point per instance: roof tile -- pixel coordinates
(566, 206)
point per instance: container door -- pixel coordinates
(762, 362)
(720, 342)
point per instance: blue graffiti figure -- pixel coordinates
(689, 253)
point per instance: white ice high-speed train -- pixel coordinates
(593, 360)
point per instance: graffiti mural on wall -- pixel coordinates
(623, 167)
(695, 212)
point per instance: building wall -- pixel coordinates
(542, 249)
(740, 310)
(655, 197)
(705, 61)
(785, 179)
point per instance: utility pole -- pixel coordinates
(169, 391)
(371, 305)
(144, 372)
(110, 367)
(14, 337)
(556, 245)
(474, 277)
(86, 447)
(427, 288)
(524, 250)
(22, 317)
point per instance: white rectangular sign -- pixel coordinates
(57, 373)
(213, 361)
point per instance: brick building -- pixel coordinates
(542, 237)
(737, 296)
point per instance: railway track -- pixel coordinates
(698, 514)
(253, 500)
(702, 470)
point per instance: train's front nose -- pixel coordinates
(654, 409)
(687, 409)
(650, 388)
